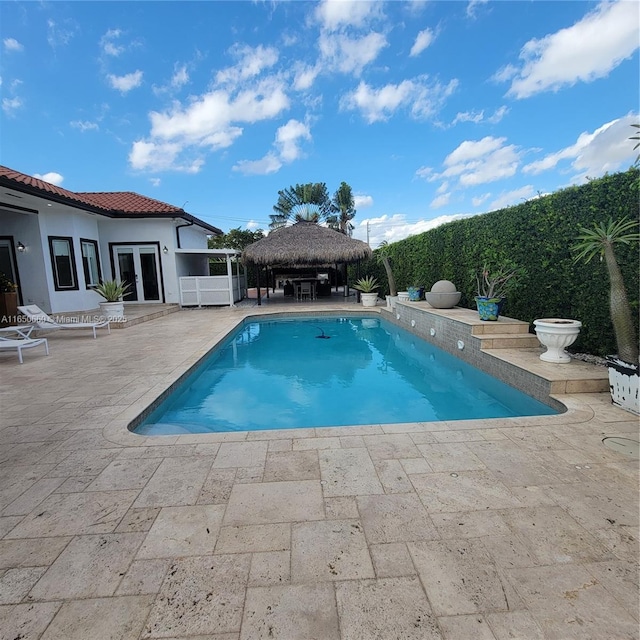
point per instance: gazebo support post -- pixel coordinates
(258, 283)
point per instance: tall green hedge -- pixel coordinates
(537, 236)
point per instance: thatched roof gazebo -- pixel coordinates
(305, 243)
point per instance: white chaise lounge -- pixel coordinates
(43, 322)
(22, 343)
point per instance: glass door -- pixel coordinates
(137, 265)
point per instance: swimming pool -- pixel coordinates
(329, 371)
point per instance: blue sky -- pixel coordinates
(429, 110)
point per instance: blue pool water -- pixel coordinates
(330, 371)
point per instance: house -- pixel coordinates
(57, 245)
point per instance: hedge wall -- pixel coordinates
(537, 236)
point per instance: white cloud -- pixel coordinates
(252, 225)
(607, 149)
(59, 34)
(252, 61)
(287, 149)
(305, 76)
(423, 40)
(11, 44)
(362, 201)
(180, 77)
(52, 177)
(288, 138)
(478, 116)
(440, 201)
(125, 83)
(11, 105)
(337, 14)
(584, 52)
(155, 182)
(269, 164)
(511, 198)
(84, 125)
(478, 200)
(396, 227)
(472, 7)
(109, 45)
(479, 161)
(155, 156)
(349, 54)
(421, 97)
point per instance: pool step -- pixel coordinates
(508, 341)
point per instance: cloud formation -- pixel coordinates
(584, 52)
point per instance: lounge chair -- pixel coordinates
(44, 322)
(22, 343)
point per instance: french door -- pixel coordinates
(139, 266)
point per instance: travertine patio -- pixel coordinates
(485, 530)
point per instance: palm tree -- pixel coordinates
(303, 202)
(383, 255)
(601, 240)
(343, 206)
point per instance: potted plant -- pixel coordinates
(623, 367)
(492, 286)
(112, 291)
(383, 256)
(8, 300)
(415, 293)
(368, 287)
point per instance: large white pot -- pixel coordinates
(403, 296)
(556, 334)
(113, 311)
(624, 382)
(369, 299)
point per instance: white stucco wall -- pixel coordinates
(75, 224)
(153, 230)
(25, 228)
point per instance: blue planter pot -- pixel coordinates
(415, 293)
(488, 308)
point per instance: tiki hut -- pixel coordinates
(304, 244)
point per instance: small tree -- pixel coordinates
(601, 240)
(343, 205)
(383, 255)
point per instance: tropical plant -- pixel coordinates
(236, 239)
(636, 137)
(112, 290)
(495, 283)
(308, 202)
(601, 240)
(368, 284)
(7, 285)
(383, 256)
(343, 206)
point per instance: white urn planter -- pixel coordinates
(369, 299)
(624, 383)
(556, 334)
(113, 311)
(391, 302)
(403, 296)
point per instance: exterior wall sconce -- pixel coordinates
(21, 248)
(165, 250)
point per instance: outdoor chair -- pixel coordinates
(306, 291)
(44, 322)
(22, 343)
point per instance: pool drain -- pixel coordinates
(622, 445)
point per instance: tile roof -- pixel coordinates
(128, 202)
(112, 203)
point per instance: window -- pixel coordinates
(90, 262)
(64, 263)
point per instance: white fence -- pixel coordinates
(203, 291)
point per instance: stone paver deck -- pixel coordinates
(485, 530)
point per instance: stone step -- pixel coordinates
(508, 341)
(145, 316)
(501, 326)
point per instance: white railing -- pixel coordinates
(203, 291)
